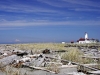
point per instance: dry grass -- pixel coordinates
(99, 48)
(52, 46)
(53, 67)
(88, 44)
(2, 68)
(41, 46)
(9, 70)
(74, 54)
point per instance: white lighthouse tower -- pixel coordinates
(86, 36)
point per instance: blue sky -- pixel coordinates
(48, 20)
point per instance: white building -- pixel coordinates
(86, 40)
(63, 42)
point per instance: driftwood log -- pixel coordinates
(7, 60)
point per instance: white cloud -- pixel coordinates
(79, 5)
(22, 23)
(17, 40)
(92, 3)
(79, 9)
(9, 28)
(24, 8)
(58, 3)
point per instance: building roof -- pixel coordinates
(83, 39)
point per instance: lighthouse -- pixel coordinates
(86, 36)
